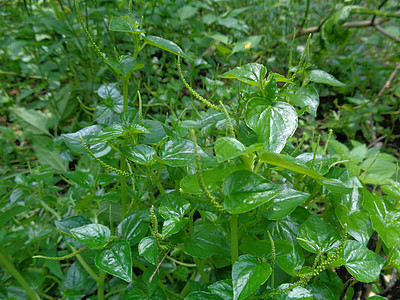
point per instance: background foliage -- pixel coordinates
(288, 188)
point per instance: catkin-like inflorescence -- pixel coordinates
(100, 54)
(192, 91)
(68, 256)
(106, 166)
(210, 199)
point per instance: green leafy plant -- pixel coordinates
(196, 198)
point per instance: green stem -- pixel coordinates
(199, 265)
(234, 238)
(100, 285)
(185, 289)
(378, 246)
(248, 161)
(17, 275)
(157, 181)
(273, 258)
(124, 188)
(87, 268)
(123, 166)
(125, 92)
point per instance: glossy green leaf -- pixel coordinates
(373, 204)
(273, 124)
(124, 66)
(361, 262)
(94, 236)
(124, 24)
(306, 96)
(206, 240)
(134, 227)
(293, 261)
(73, 222)
(392, 189)
(271, 90)
(284, 203)
(110, 91)
(141, 154)
(377, 297)
(358, 224)
(252, 73)
(227, 148)
(341, 181)
(248, 274)
(321, 236)
(288, 162)
(297, 293)
(148, 249)
(109, 133)
(173, 209)
(320, 291)
(156, 130)
(178, 154)
(83, 179)
(78, 280)
(116, 260)
(378, 169)
(246, 190)
(263, 248)
(200, 295)
(320, 76)
(74, 142)
(213, 178)
(165, 45)
(222, 288)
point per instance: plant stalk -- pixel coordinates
(100, 285)
(123, 166)
(234, 238)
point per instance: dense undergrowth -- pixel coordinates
(199, 150)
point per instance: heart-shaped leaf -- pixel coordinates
(206, 240)
(124, 24)
(222, 288)
(180, 153)
(213, 178)
(317, 236)
(284, 203)
(228, 148)
(306, 96)
(94, 236)
(124, 66)
(246, 190)
(116, 260)
(172, 209)
(273, 124)
(361, 262)
(148, 249)
(248, 274)
(141, 154)
(263, 248)
(134, 227)
(252, 73)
